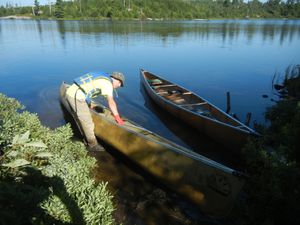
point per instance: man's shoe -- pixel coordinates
(96, 148)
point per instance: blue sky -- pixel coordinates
(24, 2)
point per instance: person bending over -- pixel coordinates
(88, 86)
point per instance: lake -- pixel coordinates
(209, 58)
(206, 57)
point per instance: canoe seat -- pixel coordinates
(200, 109)
(200, 103)
(169, 92)
(154, 81)
(207, 114)
(164, 85)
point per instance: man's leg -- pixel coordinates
(84, 116)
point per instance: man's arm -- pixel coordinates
(112, 105)
(113, 108)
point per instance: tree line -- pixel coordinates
(157, 9)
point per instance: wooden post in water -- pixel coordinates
(248, 118)
(235, 116)
(228, 102)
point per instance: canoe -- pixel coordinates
(197, 112)
(210, 185)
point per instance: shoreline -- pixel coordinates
(16, 17)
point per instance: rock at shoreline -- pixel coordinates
(16, 17)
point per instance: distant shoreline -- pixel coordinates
(16, 17)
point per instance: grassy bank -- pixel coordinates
(44, 175)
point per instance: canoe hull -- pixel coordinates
(226, 130)
(208, 184)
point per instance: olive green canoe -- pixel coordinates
(210, 185)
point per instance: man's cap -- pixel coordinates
(119, 76)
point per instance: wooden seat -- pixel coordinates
(164, 85)
(172, 92)
(200, 103)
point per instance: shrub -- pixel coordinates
(273, 189)
(44, 176)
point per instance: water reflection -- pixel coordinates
(0, 35)
(62, 31)
(126, 33)
(168, 33)
(40, 29)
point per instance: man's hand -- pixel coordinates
(93, 105)
(119, 120)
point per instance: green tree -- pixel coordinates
(36, 7)
(167, 9)
(59, 10)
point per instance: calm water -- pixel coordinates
(207, 57)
